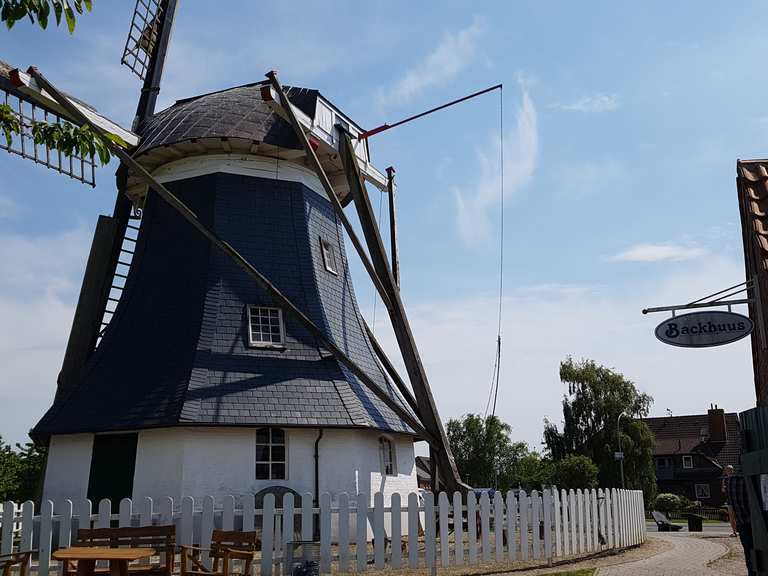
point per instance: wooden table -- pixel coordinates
(87, 557)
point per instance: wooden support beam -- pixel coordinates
(314, 163)
(277, 296)
(393, 225)
(390, 369)
(419, 383)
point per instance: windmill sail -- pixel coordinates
(143, 36)
(28, 112)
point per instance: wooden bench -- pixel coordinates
(20, 559)
(226, 545)
(663, 524)
(160, 538)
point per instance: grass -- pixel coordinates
(583, 572)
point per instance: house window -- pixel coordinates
(329, 256)
(702, 491)
(661, 463)
(387, 452)
(687, 461)
(270, 454)
(265, 326)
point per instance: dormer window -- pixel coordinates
(265, 326)
(329, 256)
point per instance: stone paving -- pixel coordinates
(688, 556)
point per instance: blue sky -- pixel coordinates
(622, 128)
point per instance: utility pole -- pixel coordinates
(621, 452)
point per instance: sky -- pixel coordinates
(622, 125)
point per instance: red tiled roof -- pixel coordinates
(684, 435)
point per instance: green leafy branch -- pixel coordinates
(39, 11)
(63, 136)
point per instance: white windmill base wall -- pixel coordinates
(218, 462)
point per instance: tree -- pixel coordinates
(21, 472)
(484, 453)
(62, 136)
(573, 472)
(597, 396)
(531, 472)
(39, 11)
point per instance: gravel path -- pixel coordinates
(689, 556)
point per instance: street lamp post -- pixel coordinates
(621, 452)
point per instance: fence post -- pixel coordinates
(105, 511)
(547, 501)
(27, 522)
(498, 525)
(187, 513)
(46, 529)
(267, 532)
(307, 516)
(65, 526)
(228, 513)
(289, 519)
(379, 537)
(413, 530)
(535, 523)
(396, 531)
(343, 531)
(361, 521)
(524, 506)
(125, 512)
(472, 526)
(557, 521)
(511, 526)
(206, 529)
(6, 537)
(588, 522)
(429, 529)
(485, 525)
(325, 532)
(566, 524)
(445, 549)
(458, 529)
(249, 515)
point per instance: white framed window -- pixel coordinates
(702, 491)
(265, 326)
(687, 461)
(387, 456)
(271, 461)
(329, 256)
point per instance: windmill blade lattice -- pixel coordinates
(76, 167)
(142, 36)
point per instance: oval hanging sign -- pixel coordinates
(703, 329)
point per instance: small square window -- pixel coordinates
(687, 461)
(329, 256)
(265, 326)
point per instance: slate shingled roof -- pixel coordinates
(177, 353)
(234, 113)
(678, 435)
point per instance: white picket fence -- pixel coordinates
(541, 526)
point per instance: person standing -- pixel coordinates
(738, 501)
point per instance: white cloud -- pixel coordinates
(592, 103)
(475, 201)
(38, 290)
(455, 52)
(457, 338)
(659, 253)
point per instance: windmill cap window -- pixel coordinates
(329, 256)
(265, 326)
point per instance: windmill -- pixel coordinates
(216, 299)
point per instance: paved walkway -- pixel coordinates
(687, 557)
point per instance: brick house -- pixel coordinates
(691, 452)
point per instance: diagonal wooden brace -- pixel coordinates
(277, 296)
(326, 183)
(427, 408)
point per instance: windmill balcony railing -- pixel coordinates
(420, 531)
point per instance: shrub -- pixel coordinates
(574, 472)
(667, 503)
